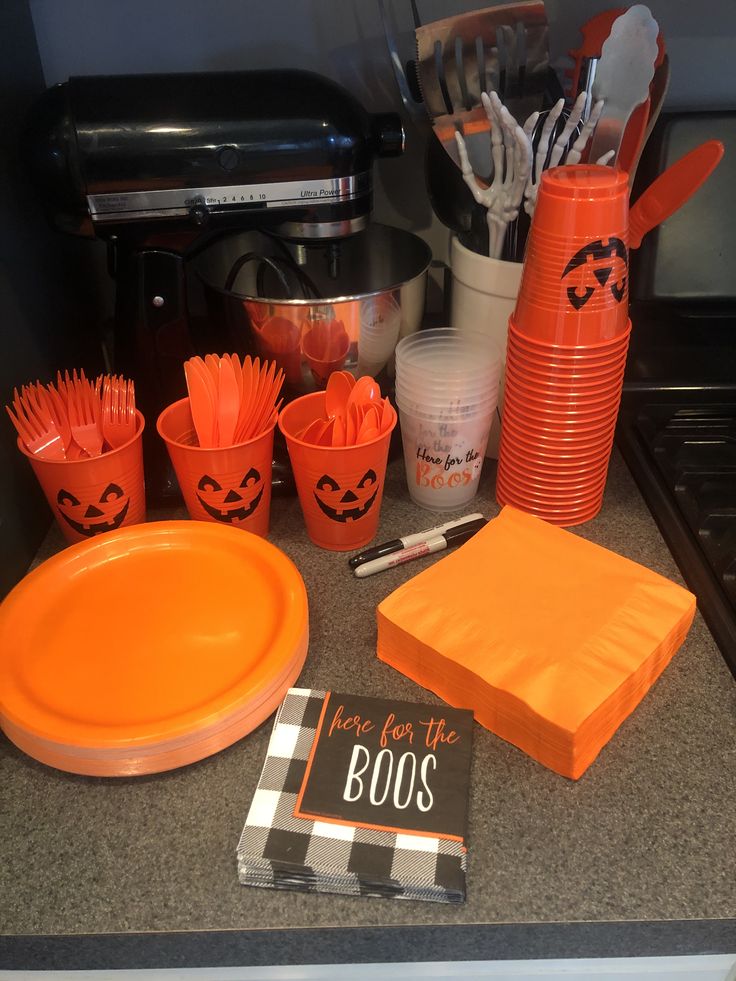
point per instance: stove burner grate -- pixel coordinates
(683, 456)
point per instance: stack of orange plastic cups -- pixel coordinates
(567, 345)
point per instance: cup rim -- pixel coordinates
(541, 407)
(444, 371)
(553, 433)
(540, 430)
(551, 506)
(330, 449)
(500, 484)
(552, 378)
(592, 477)
(577, 513)
(468, 339)
(413, 395)
(579, 366)
(564, 459)
(566, 455)
(461, 341)
(434, 421)
(446, 405)
(575, 424)
(426, 359)
(542, 501)
(207, 449)
(582, 450)
(579, 404)
(560, 484)
(426, 380)
(620, 340)
(404, 394)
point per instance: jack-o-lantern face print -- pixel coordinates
(90, 518)
(598, 265)
(346, 503)
(231, 504)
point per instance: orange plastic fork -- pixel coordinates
(85, 412)
(118, 411)
(56, 407)
(36, 428)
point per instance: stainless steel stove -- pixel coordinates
(677, 425)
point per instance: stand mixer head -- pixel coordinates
(161, 166)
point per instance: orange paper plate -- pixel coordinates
(149, 647)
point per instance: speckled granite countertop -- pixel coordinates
(637, 858)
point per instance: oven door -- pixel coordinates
(677, 424)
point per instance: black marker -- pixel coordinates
(437, 542)
(398, 544)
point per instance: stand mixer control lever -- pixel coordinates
(199, 212)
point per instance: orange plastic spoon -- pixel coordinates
(337, 393)
(366, 390)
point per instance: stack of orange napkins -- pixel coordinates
(551, 640)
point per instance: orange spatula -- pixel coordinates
(672, 189)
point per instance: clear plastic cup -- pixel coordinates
(438, 349)
(441, 345)
(443, 460)
(449, 413)
(380, 326)
(438, 388)
(449, 405)
(437, 385)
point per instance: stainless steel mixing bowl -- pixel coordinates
(318, 307)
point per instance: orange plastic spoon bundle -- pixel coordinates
(355, 412)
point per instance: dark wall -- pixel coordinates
(48, 303)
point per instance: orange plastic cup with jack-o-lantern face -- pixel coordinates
(97, 494)
(227, 484)
(340, 487)
(574, 284)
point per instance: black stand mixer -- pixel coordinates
(159, 166)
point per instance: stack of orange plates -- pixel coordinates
(149, 648)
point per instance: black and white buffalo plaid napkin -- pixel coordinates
(280, 851)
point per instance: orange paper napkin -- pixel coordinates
(550, 639)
